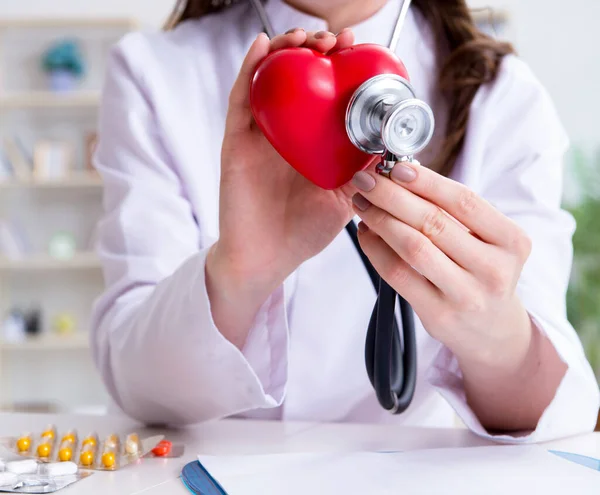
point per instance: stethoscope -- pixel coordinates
(384, 117)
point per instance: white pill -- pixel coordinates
(8, 479)
(27, 466)
(131, 447)
(58, 468)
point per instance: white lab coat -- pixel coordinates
(154, 340)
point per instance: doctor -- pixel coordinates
(232, 288)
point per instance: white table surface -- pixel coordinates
(157, 476)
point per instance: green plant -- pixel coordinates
(64, 56)
(583, 297)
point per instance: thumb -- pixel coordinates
(239, 115)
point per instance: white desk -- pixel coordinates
(157, 476)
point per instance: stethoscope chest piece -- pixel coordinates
(384, 115)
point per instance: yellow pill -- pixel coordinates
(24, 444)
(86, 458)
(65, 454)
(89, 441)
(108, 459)
(69, 438)
(48, 434)
(44, 449)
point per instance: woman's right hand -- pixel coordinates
(271, 218)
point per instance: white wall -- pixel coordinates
(563, 47)
(561, 42)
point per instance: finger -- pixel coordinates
(447, 234)
(416, 249)
(321, 41)
(239, 114)
(459, 201)
(417, 290)
(344, 39)
(294, 37)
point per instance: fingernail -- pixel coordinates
(403, 173)
(342, 31)
(322, 34)
(362, 227)
(363, 181)
(361, 202)
(294, 30)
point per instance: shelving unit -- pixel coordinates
(489, 15)
(46, 99)
(37, 369)
(74, 181)
(44, 262)
(76, 341)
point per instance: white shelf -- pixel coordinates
(44, 262)
(486, 15)
(76, 181)
(65, 22)
(77, 340)
(47, 99)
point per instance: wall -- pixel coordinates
(563, 48)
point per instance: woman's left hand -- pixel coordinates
(452, 256)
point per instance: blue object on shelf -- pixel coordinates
(62, 81)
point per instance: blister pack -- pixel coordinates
(88, 452)
(34, 476)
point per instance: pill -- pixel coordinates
(91, 440)
(8, 479)
(24, 443)
(112, 441)
(49, 433)
(162, 449)
(58, 468)
(65, 454)
(109, 459)
(26, 466)
(69, 437)
(86, 458)
(132, 444)
(44, 450)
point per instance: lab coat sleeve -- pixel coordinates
(154, 339)
(516, 130)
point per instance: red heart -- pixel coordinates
(299, 99)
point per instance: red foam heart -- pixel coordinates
(299, 99)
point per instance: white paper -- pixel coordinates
(504, 470)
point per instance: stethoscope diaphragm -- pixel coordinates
(408, 128)
(384, 115)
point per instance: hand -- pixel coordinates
(271, 218)
(452, 256)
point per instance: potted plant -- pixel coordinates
(63, 62)
(584, 290)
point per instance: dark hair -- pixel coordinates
(469, 59)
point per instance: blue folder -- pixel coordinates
(199, 481)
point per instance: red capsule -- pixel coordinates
(162, 449)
